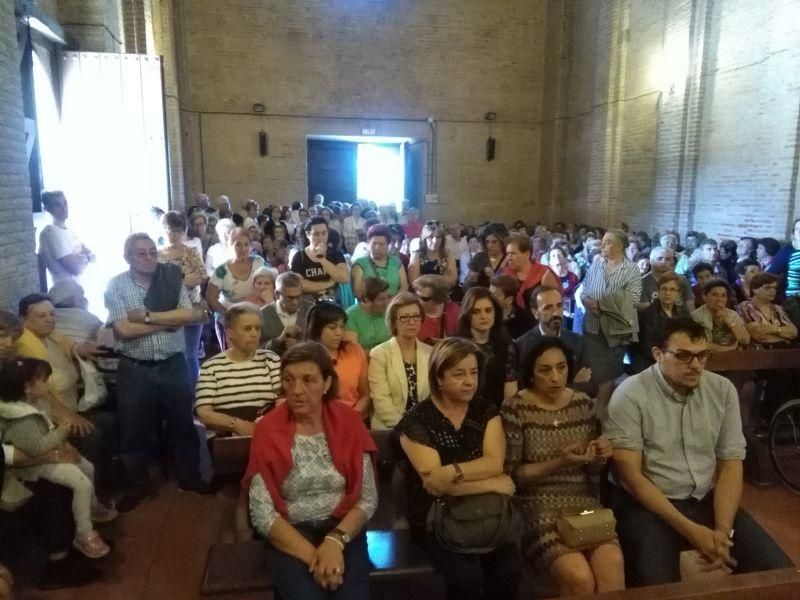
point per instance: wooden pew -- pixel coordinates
(781, 584)
(758, 467)
(229, 455)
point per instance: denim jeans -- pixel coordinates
(149, 395)
(292, 579)
(192, 334)
(652, 548)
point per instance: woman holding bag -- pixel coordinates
(456, 448)
(553, 440)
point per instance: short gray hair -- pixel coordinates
(265, 272)
(131, 240)
(288, 279)
(223, 229)
(235, 311)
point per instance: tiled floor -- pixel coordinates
(161, 546)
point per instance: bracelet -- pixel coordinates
(334, 539)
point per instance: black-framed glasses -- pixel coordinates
(406, 319)
(685, 357)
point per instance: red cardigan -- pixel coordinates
(271, 451)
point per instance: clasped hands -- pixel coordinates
(598, 451)
(327, 565)
(715, 547)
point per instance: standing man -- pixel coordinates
(153, 379)
(63, 253)
(283, 322)
(676, 430)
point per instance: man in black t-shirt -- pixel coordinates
(320, 267)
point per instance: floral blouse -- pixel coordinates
(191, 264)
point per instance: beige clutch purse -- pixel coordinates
(587, 528)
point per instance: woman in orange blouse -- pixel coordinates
(325, 324)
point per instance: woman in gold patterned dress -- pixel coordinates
(553, 441)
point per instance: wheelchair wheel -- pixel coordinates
(784, 443)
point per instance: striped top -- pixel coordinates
(793, 273)
(598, 284)
(225, 384)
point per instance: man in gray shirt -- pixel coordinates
(678, 451)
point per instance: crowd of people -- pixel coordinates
(553, 367)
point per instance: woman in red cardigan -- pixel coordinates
(311, 483)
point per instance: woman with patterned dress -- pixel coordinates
(552, 441)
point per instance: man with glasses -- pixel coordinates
(678, 451)
(283, 321)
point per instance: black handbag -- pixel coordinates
(475, 524)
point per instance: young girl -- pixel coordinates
(23, 381)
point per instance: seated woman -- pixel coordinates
(312, 484)
(398, 368)
(481, 321)
(725, 329)
(431, 258)
(456, 447)
(652, 318)
(241, 383)
(441, 315)
(366, 321)
(379, 263)
(325, 324)
(559, 264)
(264, 286)
(553, 440)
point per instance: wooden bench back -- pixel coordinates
(751, 360)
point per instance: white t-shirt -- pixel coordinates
(55, 243)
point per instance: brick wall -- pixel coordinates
(96, 24)
(18, 274)
(324, 67)
(679, 114)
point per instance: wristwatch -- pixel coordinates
(459, 477)
(341, 535)
(147, 318)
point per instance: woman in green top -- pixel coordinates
(366, 323)
(379, 263)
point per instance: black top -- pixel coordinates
(500, 367)
(478, 264)
(519, 322)
(426, 425)
(311, 269)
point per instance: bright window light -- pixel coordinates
(381, 174)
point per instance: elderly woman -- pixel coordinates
(529, 274)
(456, 447)
(190, 261)
(218, 253)
(398, 368)
(653, 317)
(264, 286)
(325, 324)
(379, 263)
(312, 484)
(559, 264)
(198, 230)
(431, 258)
(485, 265)
(481, 320)
(553, 440)
(366, 322)
(322, 268)
(610, 293)
(441, 315)
(725, 329)
(241, 383)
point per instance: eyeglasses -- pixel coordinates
(685, 357)
(424, 298)
(406, 319)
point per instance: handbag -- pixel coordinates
(587, 528)
(476, 524)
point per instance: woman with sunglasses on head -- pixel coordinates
(398, 368)
(485, 265)
(325, 324)
(440, 317)
(481, 321)
(431, 258)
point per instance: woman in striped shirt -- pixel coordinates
(611, 278)
(241, 383)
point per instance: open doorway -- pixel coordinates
(351, 168)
